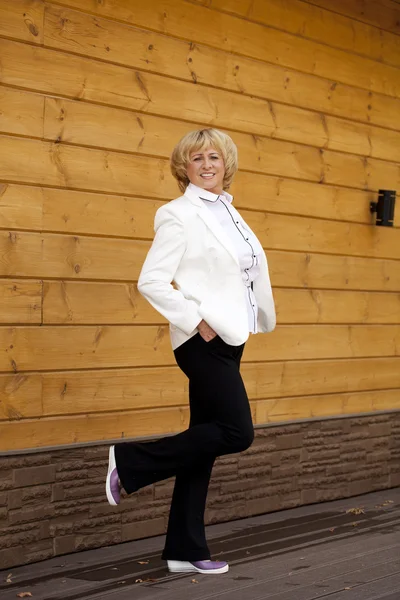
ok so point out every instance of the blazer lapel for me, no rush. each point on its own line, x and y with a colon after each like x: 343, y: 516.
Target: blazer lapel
x: 213, y: 224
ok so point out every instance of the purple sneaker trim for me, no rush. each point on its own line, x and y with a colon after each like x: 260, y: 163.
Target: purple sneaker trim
x: 113, y: 487
x: 209, y: 565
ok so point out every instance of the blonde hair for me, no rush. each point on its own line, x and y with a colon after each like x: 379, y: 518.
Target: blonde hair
x: 199, y: 140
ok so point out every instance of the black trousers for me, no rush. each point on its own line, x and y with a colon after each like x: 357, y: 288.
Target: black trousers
x: 220, y: 423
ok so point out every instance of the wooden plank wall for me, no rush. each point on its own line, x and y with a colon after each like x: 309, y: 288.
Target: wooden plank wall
x: 93, y: 95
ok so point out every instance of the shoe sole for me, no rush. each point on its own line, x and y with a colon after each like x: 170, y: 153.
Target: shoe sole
x: 177, y: 567
x: 111, y: 467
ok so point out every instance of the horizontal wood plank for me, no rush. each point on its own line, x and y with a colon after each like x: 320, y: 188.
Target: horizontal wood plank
x: 35, y: 208
x: 58, y: 255
x: 75, y: 392
x: 50, y: 348
x: 20, y: 301
x: 288, y: 232
x: 66, y: 211
x: 147, y: 50
x: 62, y: 165
x: 309, y: 21
x: 20, y: 396
x: 86, y: 428
x: 99, y: 126
x: 290, y: 196
x: 323, y: 271
x: 72, y: 257
x: 272, y: 411
x: 71, y: 303
x: 307, y: 377
x: 21, y: 113
x: 52, y: 255
x: 323, y: 306
x: 32, y: 433
x: 383, y: 14
x: 196, y: 23
x: 22, y: 19
x: 89, y: 169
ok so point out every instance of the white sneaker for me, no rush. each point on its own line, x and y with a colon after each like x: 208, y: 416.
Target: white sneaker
x: 206, y: 567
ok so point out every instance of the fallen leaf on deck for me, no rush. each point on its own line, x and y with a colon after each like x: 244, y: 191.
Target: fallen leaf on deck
x: 24, y: 595
x: 332, y: 529
x: 348, y: 588
x: 138, y: 580
x: 194, y: 581
x: 355, y: 524
x: 9, y: 578
x: 143, y: 562
x: 355, y: 511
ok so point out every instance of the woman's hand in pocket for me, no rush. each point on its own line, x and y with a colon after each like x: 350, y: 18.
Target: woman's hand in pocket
x: 206, y: 332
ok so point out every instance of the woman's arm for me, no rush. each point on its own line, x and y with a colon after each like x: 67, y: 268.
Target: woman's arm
x: 159, y: 270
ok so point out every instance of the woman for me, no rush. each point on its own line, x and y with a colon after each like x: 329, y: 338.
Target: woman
x: 221, y: 293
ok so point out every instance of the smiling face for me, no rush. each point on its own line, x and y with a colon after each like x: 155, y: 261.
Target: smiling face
x: 206, y: 169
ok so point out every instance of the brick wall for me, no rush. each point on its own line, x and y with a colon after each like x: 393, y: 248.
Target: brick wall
x: 52, y: 503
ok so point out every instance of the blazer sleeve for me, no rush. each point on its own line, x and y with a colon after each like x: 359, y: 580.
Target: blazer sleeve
x: 159, y: 270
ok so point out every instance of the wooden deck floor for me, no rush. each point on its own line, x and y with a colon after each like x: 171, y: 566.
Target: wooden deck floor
x: 342, y: 550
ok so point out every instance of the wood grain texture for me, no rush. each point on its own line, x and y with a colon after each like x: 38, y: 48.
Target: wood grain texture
x: 62, y: 165
x: 85, y: 347
x: 383, y: 14
x: 108, y: 40
x: 22, y: 113
x: 39, y: 433
x: 56, y: 255
x: 24, y: 254
x: 147, y: 50
x: 272, y: 411
x: 88, y: 169
x: 68, y: 302
x: 35, y: 208
x: 99, y: 126
x: 52, y: 431
x: 53, y: 72
x: 20, y: 301
x: 64, y: 256
x: 94, y: 96
x: 323, y: 271
x: 33, y: 395
x: 315, y: 23
x: 22, y: 19
x: 77, y: 77
x: 288, y: 232
x: 21, y: 207
x: 67, y: 211
x: 196, y: 23
x: 167, y: 386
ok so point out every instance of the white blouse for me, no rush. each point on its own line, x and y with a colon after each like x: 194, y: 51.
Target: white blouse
x: 246, y: 243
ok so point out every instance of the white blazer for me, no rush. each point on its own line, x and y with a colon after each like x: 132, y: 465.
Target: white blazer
x: 192, y: 250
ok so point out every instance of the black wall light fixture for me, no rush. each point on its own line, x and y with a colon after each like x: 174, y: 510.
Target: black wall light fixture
x: 384, y: 208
